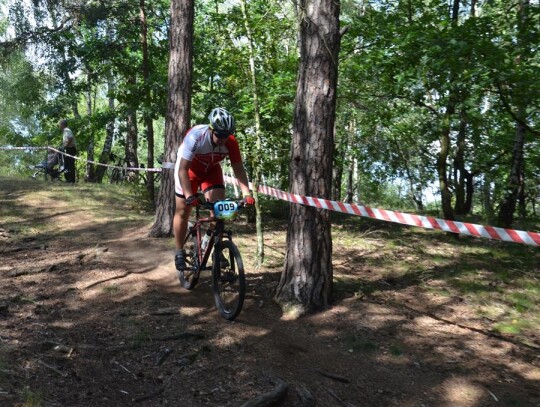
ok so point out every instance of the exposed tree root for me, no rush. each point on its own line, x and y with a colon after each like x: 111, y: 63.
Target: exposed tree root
x: 270, y: 398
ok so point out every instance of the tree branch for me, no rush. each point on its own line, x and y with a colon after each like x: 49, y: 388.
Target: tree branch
x: 10, y: 46
x: 514, y: 116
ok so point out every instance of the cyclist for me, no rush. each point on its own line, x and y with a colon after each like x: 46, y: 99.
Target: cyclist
x: 198, y: 166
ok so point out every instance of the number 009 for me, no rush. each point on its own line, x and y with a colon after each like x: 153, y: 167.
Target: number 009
x: 226, y: 207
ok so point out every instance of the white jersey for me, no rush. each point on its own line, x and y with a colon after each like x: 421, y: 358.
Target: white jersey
x: 198, y: 148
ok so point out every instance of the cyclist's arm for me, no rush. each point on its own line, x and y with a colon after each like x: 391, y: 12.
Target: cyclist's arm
x: 241, y: 176
x: 183, y: 176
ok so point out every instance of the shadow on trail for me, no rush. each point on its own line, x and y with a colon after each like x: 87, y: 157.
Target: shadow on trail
x: 116, y: 329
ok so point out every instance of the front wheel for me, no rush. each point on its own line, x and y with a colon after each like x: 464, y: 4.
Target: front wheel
x: 190, y: 275
x: 228, y: 280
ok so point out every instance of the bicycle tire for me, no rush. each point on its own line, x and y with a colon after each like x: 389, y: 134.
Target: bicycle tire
x: 228, y: 283
x: 190, y: 275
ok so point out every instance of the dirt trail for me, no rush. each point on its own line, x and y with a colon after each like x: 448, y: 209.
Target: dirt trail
x: 92, y: 315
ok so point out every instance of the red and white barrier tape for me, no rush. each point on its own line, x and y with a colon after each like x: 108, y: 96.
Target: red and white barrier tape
x: 107, y: 165
x: 22, y: 148
x: 79, y: 158
x: 427, y: 222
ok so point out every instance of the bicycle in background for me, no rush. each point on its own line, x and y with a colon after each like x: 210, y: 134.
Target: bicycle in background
x: 228, y: 278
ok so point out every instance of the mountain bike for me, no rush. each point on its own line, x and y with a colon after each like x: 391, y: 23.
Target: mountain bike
x: 228, y: 278
x: 118, y: 172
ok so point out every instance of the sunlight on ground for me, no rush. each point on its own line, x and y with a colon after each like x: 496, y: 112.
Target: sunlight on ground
x: 63, y: 324
x: 236, y: 337
x: 528, y: 372
x: 192, y: 311
x: 460, y: 392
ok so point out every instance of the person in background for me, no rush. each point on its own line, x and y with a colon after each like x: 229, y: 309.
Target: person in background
x: 197, y: 166
x: 70, y: 147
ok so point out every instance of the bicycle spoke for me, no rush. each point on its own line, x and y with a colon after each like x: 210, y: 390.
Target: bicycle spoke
x: 229, y: 281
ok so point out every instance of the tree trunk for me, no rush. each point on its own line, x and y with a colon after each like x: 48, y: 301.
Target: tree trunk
x: 105, y: 155
x: 341, y: 152
x: 522, y: 194
x: 306, y: 281
x: 258, y: 143
x: 178, y: 108
x: 337, y: 176
x: 350, y: 179
x: 459, y: 168
x: 64, y: 73
x: 446, y: 195
x: 90, y: 174
x: 469, y: 191
x: 148, y: 122
x: 414, y: 191
x: 473, y: 8
x: 352, y: 172
x: 487, y: 200
x: 132, y: 135
x: 442, y: 166
x: 515, y: 180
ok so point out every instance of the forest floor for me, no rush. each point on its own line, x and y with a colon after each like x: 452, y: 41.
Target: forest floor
x: 92, y: 314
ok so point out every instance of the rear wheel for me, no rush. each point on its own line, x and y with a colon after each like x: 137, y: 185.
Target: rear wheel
x: 190, y: 275
x: 228, y: 280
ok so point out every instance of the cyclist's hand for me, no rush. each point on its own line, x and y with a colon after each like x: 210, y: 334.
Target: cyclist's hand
x: 194, y: 200
x: 249, y: 200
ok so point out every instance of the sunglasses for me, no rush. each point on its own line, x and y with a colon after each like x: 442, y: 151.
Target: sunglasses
x: 221, y: 135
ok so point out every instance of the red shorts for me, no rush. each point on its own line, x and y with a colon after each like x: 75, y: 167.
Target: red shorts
x: 205, y: 182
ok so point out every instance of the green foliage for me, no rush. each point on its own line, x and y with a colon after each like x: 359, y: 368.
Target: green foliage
x: 222, y: 69
x: 407, y: 71
x: 21, y: 94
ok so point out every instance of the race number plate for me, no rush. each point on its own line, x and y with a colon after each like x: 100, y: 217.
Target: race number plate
x: 225, y: 210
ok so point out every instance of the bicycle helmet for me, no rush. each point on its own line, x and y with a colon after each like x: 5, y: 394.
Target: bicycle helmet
x: 221, y: 121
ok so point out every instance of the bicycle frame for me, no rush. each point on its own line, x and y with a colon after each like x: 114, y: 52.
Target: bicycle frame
x: 217, y: 234
x: 228, y: 276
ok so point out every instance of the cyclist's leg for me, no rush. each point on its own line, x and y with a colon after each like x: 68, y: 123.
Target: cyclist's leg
x: 212, y: 184
x: 181, y: 220
x: 214, y: 190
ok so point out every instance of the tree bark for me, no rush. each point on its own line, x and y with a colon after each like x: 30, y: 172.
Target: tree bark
x: 132, y: 136
x: 178, y: 108
x: 469, y: 191
x: 105, y: 155
x: 442, y: 166
x: 148, y: 122
x: 306, y: 281
x: 342, y: 155
x: 459, y: 168
x: 258, y: 137
x: 446, y: 195
x: 487, y: 200
x: 90, y: 173
x: 350, y: 179
x: 516, y: 180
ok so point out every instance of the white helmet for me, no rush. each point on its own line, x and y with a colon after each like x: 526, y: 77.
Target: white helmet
x: 221, y: 121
